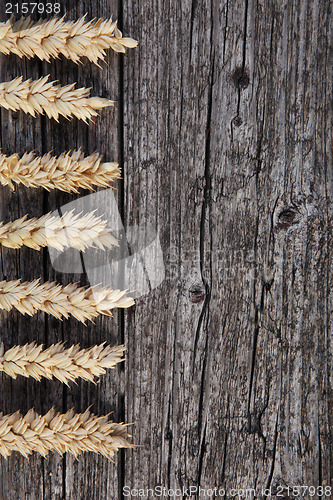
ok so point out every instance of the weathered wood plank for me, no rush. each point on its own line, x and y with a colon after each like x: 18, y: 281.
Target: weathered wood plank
x: 84, y: 477
x: 223, y: 126
x: 19, y: 133
x: 226, y: 154
x: 57, y: 477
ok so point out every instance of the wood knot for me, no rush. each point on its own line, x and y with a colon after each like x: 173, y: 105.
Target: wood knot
x: 197, y: 293
x: 168, y: 434
x: 288, y: 217
x: 241, y: 78
x: 238, y: 121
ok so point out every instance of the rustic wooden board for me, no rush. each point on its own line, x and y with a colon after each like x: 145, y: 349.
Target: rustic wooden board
x: 222, y: 126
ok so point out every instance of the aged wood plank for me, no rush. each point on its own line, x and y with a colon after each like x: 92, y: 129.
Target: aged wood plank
x: 226, y: 155
x: 57, y: 477
x: 223, y: 126
x: 90, y: 476
x: 20, y: 478
x: 170, y: 87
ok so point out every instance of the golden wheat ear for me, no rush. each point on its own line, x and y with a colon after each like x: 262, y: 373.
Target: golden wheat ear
x: 68, y: 432
x: 69, y: 230
x: 66, y: 365
x: 61, y: 301
x: 73, y: 39
x: 68, y: 172
x: 44, y: 97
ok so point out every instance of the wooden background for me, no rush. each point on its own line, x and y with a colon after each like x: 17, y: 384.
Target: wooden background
x: 223, y: 130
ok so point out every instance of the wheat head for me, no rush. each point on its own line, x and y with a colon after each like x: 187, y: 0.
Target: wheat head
x: 39, y: 96
x: 68, y: 432
x: 48, y: 39
x: 61, y: 301
x: 68, y: 172
x: 32, y: 360
x: 70, y: 230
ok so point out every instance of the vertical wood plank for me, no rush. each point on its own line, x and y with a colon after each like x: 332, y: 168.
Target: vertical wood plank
x: 83, y: 477
x: 21, y: 478
x: 228, y: 380
x: 61, y: 477
x: 223, y: 125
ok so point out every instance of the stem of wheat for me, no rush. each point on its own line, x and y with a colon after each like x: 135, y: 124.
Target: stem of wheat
x: 32, y: 360
x: 67, y: 432
x: 48, y: 39
x: 58, y: 232
x: 61, y: 301
x: 68, y: 172
x: 39, y: 96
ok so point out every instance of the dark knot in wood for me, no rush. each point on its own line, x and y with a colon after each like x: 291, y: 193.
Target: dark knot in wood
x: 287, y: 218
x: 197, y: 293
x: 241, y: 78
x: 238, y: 121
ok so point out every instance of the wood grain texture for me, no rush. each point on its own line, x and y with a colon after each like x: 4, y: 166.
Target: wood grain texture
x: 223, y: 130
x: 227, y: 152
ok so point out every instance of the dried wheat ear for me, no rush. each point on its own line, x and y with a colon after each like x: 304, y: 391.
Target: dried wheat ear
x: 39, y: 96
x: 67, y: 365
x: 68, y: 172
x: 61, y: 301
x: 70, y: 230
x: 68, y: 432
x: 48, y: 39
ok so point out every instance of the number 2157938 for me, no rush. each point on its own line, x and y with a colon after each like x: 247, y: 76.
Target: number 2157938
x: 31, y: 7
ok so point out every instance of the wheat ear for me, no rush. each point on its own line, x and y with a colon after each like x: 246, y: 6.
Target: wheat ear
x: 67, y: 172
x: 31, y: 360
x: 70, y: 230
x: 39, y: 96
x: 61, y: 301
x: 48, y: 39
x: 68, y: 432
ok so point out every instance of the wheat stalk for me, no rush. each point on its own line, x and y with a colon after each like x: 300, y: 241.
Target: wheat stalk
x: 58, y: 232
x: 31, y: 360
x: 61, y: 301
x: 39, y: 96
x: 67, y: 172
x: 68, y: 432
x: 73, y: 39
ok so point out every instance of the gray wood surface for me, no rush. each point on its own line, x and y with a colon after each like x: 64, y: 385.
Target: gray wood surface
x: 223, y: 130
